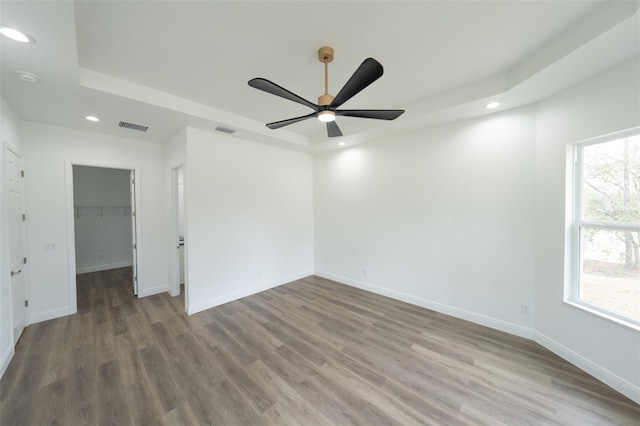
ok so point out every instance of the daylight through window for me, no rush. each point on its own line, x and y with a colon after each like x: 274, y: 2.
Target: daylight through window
x: 606, y: 226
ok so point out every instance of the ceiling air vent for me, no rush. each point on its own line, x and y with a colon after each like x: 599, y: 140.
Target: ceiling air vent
x: 225, y: 130
x: 132, y: 126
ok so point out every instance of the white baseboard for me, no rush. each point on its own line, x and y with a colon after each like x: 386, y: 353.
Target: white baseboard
x: 6, y: 359
x: 607, y: 377
x: 481, y: 319
x: 98, y: 268
x: 33, y: 318
x: 153, y: 290
x: 208, y: 304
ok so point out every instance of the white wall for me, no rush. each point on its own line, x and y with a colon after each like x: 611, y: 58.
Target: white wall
x: 175, y: 150
x: 9, y: 131
x: 49, y: 151
x: 249, y: 216
x: 605, y: 104
x: 102, y: 199
x: 442, y: 218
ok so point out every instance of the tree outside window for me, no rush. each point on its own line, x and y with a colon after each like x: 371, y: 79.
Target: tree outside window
x: 607, y: 222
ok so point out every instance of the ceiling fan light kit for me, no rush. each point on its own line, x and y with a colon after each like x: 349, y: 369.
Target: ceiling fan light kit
x: 326, y: 116
x: 326, y: 109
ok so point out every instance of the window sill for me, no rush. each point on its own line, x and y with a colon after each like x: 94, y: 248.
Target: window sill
x: 619, y: 321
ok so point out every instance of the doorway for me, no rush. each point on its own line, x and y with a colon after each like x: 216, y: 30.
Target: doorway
x: 14, y: 175
x: 178, y: 258
x: 104, y: 222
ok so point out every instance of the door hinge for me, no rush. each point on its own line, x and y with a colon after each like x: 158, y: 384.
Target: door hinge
x: 134, y: 214
x: 26, y: 303
x: 24, y: 260
x: 135, y: 246
x: 21, y: 173
x: 24, y: 217
x: 135, y: 279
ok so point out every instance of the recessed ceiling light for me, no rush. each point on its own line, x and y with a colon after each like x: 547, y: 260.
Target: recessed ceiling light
x: 341, y: 143
x: 92, y: 118
x: 16, y: 35
x: 492, y: 105
x: 27, y: 76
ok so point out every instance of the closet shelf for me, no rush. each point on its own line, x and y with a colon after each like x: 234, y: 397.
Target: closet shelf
x: 102, y: 211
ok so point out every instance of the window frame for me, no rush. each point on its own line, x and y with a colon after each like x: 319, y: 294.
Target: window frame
x: 575, y: 223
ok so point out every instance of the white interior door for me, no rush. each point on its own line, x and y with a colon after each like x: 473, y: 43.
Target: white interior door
x: 134, y: 240
x: 15, y: 209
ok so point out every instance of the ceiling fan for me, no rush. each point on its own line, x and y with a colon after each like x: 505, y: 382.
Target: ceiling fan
x: 327, y: 108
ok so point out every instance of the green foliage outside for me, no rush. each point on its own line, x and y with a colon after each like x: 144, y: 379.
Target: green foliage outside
x: 611, y: 177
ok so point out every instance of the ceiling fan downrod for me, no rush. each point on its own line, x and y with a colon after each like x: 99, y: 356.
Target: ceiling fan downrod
x: 325, y: 55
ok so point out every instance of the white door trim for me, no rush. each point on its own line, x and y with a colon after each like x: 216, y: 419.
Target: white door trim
x: 71, y: 240
x: 174, y: 272
x: 25, y: 282
x: 134, y: 229
x: 174, y: 269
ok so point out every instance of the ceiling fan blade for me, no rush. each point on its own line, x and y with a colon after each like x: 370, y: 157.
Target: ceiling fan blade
x: 368, y: 72
x: 278, y: 124
x: 378, y: 114
x: 333, y: 130
x: 270, y: 87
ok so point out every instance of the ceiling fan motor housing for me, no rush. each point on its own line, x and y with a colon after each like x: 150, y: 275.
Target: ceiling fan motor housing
x: 325, y: 99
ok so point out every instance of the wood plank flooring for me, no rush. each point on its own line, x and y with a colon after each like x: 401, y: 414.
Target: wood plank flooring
x: 312, y: 352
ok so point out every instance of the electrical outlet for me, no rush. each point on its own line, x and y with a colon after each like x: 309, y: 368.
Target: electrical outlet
x: 364, y: 271
x: 524, y: 308
x: 50, y: 245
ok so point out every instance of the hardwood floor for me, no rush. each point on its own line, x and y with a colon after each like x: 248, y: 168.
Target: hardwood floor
x: 311, y: 352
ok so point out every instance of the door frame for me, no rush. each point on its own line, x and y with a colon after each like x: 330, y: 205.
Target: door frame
x: 25, y: 281
x: 71, y: 233
x: 174, y: 268
x: 134, y: 229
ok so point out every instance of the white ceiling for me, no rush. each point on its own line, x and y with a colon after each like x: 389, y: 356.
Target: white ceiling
x: 168, y: 64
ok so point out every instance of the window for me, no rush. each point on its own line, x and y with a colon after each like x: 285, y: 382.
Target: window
x: 604, y: 236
